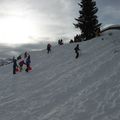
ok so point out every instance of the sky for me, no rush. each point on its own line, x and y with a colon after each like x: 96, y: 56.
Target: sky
x: 32, y: 21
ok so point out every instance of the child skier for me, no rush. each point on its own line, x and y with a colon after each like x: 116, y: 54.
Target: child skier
x: 21, y: 63
x: 28, y: 61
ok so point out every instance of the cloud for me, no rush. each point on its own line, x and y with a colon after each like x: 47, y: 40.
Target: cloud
x: 7, y: 51
x: 109, y: 11
x: 55, y: 18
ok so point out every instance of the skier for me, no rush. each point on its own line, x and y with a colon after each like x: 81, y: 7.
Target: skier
x: 48, y: 48
x: 28, y: 61
x: 14, y: 65
x: 19, y: 57
x: 61, y: 42
x: 21, y: 63
x: 76, y: 51
x: 25, y: 55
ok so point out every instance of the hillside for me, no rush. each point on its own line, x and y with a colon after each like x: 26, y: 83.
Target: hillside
x: 61, y: 87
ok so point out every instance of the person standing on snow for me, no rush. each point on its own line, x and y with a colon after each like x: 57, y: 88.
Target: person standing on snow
x: 48, y: 48
x: 25, y: 54
x: 77, y: 51
x: 21, y: 63
x: 28, y: 61
x: 14, y: 65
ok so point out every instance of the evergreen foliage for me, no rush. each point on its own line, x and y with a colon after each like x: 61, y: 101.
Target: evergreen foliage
x: 87, y: 22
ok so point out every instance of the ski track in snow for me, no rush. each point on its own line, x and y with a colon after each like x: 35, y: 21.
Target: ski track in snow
x: 61, y: 87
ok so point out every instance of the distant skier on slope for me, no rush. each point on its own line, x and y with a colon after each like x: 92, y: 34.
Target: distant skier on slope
x: 48, y: 48
x: 14, y: 65
x: 21, y: 63
x: 77, y: 49
x: 25, y: 54
x: 28, y: 61
x: 19, y: 57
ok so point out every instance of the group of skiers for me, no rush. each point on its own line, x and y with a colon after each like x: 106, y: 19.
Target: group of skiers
x: 20, y: 61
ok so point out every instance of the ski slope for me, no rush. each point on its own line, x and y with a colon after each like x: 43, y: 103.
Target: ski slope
x: 61, y: 87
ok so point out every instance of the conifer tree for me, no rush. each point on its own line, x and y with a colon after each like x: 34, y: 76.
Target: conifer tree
x: 87, y: 22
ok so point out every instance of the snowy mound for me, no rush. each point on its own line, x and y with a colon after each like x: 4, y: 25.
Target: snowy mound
x: 111, y: 27
x: 61, y: 87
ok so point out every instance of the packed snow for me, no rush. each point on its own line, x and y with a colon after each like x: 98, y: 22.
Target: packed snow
x: 60, y: 87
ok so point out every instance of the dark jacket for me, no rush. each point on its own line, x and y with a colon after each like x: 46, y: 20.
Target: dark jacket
x: 14, y: 63
x: 28, y: 61
x: 77, y: 48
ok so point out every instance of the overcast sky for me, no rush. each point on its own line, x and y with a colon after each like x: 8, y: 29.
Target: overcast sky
x: 23, y: 21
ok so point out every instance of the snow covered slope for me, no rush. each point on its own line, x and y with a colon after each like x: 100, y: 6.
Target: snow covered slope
x: 61, y: 87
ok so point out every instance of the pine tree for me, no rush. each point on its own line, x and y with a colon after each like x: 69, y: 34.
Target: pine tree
x: 87, y: 21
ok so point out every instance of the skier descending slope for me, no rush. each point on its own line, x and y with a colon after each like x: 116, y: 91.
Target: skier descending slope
x: 77, y: 51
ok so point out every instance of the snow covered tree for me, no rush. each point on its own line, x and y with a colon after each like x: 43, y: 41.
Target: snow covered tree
x: 87, y: 21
